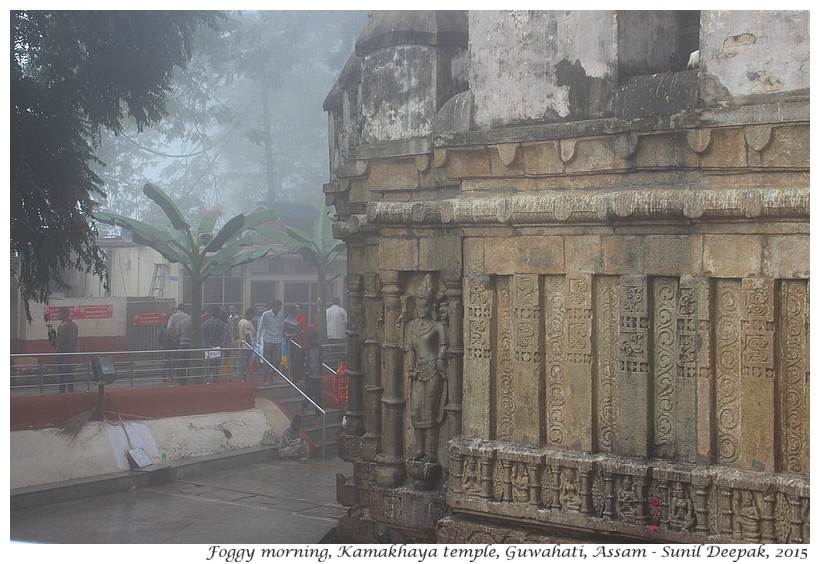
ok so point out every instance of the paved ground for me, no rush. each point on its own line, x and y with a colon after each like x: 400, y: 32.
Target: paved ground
x: 279, y: 502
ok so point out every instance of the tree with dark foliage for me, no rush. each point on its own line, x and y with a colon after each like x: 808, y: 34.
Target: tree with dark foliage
x: 74, y: 74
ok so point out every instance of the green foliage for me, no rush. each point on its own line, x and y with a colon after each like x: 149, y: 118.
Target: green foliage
x: 201, y: 253
x: 75, y: 74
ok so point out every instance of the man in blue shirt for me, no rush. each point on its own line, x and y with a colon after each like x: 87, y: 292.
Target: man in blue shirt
x: 270, y: 333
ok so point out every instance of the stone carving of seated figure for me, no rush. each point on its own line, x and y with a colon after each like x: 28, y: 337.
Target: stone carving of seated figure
x: 570, y: 498
x: 626, y: 498
x: 469, y: 482
x: 681, y: 509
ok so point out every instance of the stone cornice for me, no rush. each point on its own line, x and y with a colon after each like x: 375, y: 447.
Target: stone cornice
x: 596, y: 207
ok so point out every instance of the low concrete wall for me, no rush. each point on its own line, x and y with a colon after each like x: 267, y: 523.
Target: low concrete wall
x: 54, y: 410
x: 45, y: 456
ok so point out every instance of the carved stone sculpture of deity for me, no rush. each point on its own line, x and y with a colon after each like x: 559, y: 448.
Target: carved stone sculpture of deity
x: 520, y: 483
x: 469, y: 482
x: 428, y: 343
x: 570, y: 498
x: 681, y: 509
x: 626, y: 498
x: 748, y: 517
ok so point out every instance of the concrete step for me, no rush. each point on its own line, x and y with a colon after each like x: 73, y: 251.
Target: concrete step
x: 291, y: 400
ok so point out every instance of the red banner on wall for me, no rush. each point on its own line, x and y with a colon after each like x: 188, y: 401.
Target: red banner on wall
x: 150, y: 318
x: 97, y: 311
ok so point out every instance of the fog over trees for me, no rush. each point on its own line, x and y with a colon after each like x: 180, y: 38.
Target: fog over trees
x: 74, y: 76
x: 245, y: 122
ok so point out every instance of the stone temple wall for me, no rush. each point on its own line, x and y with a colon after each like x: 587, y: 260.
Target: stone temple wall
x: 612, y: 299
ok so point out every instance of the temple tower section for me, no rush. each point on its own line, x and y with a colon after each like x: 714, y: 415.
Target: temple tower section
x: 582, y: 275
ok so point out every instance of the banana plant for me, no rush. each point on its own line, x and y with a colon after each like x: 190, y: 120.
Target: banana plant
x: 201, y: 252
x: 316, y: 252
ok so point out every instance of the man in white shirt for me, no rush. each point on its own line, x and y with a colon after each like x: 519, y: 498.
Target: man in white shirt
x: 336, y: 321
x: 270, y: 333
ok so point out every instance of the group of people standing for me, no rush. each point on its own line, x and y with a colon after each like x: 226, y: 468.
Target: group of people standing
x: 278, y: 332
x: 268, y: 335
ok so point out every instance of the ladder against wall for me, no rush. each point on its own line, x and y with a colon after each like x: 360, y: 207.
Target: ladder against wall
x: 158, y: 281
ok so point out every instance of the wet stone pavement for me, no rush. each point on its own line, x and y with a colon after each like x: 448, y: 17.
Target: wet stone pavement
x: 278, y: 502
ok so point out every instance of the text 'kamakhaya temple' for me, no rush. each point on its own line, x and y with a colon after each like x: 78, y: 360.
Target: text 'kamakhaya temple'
x: 577, y: 276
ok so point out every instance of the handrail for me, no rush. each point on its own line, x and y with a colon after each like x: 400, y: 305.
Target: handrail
x: 298, y: 346
x: 48, y: 372
x: 294, y: 386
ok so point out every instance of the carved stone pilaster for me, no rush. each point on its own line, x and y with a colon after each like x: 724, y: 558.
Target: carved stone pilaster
x: 487, y: 465
x: 371, y: 352
x: 727, y: 385
x: 452, y: 281
x: 390, y: 470
x: 794, y: 377
x: 578, y: 380
x: 476, y: 396
x: 757, y: 393
x: 456, y: 465
x: 633, y: 366
x: 585, y: 477
x: 355, y: 414
x: 701, y: 485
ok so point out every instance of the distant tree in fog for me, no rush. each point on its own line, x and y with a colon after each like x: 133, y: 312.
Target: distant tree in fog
x: 74, y: 76
x: 246, y: 122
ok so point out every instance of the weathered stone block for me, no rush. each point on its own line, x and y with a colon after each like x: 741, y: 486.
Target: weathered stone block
x: 467, y: 163
x: 393, y: 174
x: 596, y: 155
x: 542, y: 158
x: 524, y: 254
x: 788, y: 147
x: 398, y: 254
x: 786, y: 256
x: 670, y: 255
x: 727, y: 149
x: 583, y: 253
x: 474, y: 255
x: 662, y: 151
x: 438, y: 253
x: 622, y: 254
x: 371, y: 257
x: 732, y: 256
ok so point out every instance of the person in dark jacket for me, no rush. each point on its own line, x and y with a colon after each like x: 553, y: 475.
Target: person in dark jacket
x: 68, y: 337
x: 313, y: 376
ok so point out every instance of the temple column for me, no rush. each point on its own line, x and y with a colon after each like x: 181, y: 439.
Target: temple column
x: 371, y: 353
x: 355, y: 416
x: 390, y: 471
x: 455, y: 352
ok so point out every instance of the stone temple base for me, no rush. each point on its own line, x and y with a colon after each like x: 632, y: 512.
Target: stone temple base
x: 407, y: 509
x: 461, y: 529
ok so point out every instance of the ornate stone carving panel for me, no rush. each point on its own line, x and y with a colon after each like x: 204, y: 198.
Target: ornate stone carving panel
x: 757, y: 374
x: 631, y: 497
x: 527, y: 358
x: 633, y: 366
x: 794, y: 376
x: 606, y: 323
x: 667, y: 390
x: 478, y: 375
x: 727, y: 351
x: 555, y: 359
x: 578, y: 386
x: 502, y: 382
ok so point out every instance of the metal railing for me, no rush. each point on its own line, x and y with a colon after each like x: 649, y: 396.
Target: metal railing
x: 293, y: 385
x: 54, y: 373
x: 45, y: 373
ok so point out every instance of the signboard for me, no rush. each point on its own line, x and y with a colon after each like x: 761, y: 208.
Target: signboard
x: 150, y: 318
x: 96, y: 311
